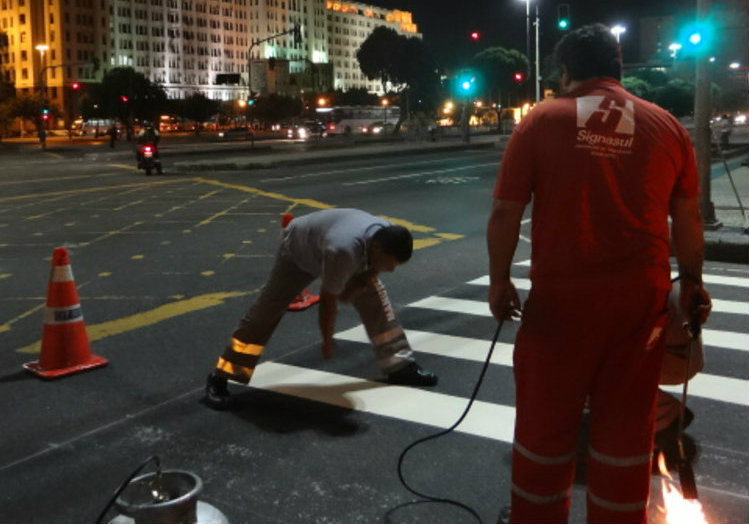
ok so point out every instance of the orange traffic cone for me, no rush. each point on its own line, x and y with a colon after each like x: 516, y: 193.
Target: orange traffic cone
x: 304, y: 299
x: 65, y: 348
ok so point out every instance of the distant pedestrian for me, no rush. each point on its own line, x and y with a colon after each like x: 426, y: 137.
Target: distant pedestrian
x: 112, y: 132
x: 726, y: 128
x: 604, y: 170
x: 42, y: 134
x: 346, y: 249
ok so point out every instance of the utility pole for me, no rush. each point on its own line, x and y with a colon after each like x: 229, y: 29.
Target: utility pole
x: 702, y: 135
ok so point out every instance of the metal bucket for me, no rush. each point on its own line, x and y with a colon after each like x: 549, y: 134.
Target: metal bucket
x: 169, y: 497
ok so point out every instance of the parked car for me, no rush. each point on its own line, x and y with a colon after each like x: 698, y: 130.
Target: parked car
x: 236, y: 133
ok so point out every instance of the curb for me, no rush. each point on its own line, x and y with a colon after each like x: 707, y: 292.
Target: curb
x: 720, y: 248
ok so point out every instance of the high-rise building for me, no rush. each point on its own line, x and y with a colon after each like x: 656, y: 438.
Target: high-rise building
x: 186, y: 46
x: 349, y: 24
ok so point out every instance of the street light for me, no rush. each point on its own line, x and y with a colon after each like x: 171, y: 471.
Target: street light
x: 617, y: 30
x: 385, y: 102
x: 537, y: 79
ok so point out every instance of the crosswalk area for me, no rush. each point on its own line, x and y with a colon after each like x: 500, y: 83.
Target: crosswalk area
x: 723, y: 385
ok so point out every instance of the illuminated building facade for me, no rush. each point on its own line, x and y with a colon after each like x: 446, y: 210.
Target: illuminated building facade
x: 186, y: 46
x: 349, y: 24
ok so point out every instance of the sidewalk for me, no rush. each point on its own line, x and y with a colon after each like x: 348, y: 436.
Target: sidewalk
x: 730, y: 242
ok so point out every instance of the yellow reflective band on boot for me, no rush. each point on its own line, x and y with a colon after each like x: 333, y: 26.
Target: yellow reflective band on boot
x: 617, y: 506
x: 242, y: 373
x: 622, y: 462
x: 244, y: 348
x: 541, y: 499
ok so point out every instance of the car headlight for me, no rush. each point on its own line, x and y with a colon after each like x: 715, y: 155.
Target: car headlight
x: 302, y: 133
x: 221, y: 134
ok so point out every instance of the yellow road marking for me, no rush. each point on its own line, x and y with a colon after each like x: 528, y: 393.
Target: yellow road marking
x: 124, y: 166
x: 89, y: 190
x: 148, y: 318
x: 275, y: 196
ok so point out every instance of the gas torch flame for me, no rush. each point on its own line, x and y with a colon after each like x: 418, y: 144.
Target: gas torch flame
x: 678, y: 510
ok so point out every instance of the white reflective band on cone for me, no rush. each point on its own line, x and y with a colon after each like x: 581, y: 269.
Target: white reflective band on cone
x: 61, y: 274
x: 63, y: 315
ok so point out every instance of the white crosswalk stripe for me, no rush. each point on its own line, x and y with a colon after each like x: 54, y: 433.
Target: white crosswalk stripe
x: 490, y: 420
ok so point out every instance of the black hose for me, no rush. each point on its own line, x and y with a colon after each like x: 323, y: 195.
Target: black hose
x: 444, y: 432
x: 154, y: 458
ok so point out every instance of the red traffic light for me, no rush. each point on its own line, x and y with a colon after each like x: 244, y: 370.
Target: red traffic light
x: 124, y: 98
x: 518, y: 77
x: 75, y: 86
x: 45, y: 117
x: 475, y: 35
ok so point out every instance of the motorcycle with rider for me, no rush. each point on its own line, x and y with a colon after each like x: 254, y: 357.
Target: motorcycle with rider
x: 147, y: 149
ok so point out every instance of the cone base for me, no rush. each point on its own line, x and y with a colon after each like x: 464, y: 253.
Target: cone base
x: 94, y: 362
x: 304, y: 302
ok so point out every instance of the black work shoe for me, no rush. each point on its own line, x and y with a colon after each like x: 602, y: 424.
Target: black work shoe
x: 217, y: 394
x: 412, y: 375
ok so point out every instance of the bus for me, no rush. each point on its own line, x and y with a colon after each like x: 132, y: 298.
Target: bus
x: 347, y: 120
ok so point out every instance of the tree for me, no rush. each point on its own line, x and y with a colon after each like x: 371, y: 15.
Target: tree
x: 677, y: 97
x: 196, y: 107
x: 378, y: 55
x: 497, y: 66
x: 7, y: 96
x: 276, y: 108
x: 403, y: 65
x: 637, y: 86
x: 126, y: 95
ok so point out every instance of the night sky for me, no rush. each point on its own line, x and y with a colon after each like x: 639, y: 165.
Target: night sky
x: 446, y: 24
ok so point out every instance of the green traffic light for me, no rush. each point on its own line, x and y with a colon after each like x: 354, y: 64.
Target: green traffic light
x: 695, y: 38
x: 563, y: 23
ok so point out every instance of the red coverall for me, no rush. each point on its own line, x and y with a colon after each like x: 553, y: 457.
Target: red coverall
x: 602, y: 167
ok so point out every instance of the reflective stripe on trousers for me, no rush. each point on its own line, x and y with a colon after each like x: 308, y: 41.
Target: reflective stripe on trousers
x: 286, y: 281
x: 586, y: 342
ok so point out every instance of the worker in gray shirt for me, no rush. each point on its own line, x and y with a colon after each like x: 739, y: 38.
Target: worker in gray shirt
x: 346, y: 249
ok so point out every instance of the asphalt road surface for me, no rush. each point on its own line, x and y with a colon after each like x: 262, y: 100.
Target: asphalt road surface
x: 164, y: 267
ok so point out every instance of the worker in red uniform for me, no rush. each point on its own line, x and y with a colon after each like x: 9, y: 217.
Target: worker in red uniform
x: 605, y: 170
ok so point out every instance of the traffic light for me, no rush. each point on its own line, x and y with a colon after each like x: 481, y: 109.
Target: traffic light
x: 75, y: 86
x: 518, y: 77
x: 697, y: 37
x: 45, y: 113
x: 475, y: 36
x: 297, y: 34
x: 466, y: 83
x: 563, y: 17
x: 124, y: 99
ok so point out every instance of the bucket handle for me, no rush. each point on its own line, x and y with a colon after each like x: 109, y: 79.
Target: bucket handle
x: 153, y: 458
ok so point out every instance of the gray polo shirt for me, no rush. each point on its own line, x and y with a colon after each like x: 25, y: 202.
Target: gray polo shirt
x: 331, y: 244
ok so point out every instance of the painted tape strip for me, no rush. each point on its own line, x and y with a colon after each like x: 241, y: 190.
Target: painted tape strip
x: 63, y: 315
x: 61, y: 274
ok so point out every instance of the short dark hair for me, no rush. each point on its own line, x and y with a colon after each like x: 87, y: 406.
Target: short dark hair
x: 395, y: 241
x: 589, y: 52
